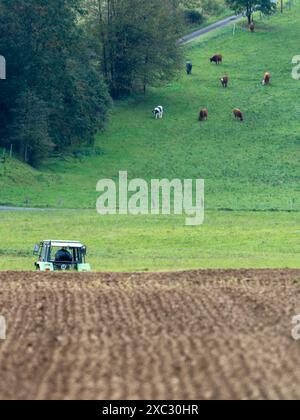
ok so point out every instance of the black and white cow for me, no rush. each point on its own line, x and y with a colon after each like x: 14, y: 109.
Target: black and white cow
x: 158, y: 112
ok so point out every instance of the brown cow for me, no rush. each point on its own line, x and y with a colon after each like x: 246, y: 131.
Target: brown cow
x: 266, y: 79
x: 238, y: 114
x: 203, y: 114
x: 216, y: 59
x: 252, y: 27
x: 224, y: 81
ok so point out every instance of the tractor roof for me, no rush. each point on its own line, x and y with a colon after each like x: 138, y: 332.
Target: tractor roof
x: 64, y: 244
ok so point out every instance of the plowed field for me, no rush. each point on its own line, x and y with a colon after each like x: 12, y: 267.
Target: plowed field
x: 189, y: 335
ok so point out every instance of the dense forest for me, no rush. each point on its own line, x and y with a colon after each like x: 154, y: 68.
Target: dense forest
x: 67, y: 59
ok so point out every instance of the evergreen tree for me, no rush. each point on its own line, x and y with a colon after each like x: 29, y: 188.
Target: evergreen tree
x: 29, y: 130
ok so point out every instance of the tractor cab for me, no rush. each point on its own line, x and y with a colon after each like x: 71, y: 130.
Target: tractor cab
x: 61, y: 256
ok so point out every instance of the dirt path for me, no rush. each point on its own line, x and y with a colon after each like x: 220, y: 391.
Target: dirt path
x: 197, y: 34
x: 190, y: 335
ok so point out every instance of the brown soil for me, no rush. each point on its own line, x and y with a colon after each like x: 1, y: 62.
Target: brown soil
x: 189, y: 335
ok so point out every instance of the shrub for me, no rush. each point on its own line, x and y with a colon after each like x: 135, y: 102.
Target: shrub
x: 193, y: 16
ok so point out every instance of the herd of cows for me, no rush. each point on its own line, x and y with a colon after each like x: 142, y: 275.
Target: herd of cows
x: 218, y: 59
x: 203, y: 114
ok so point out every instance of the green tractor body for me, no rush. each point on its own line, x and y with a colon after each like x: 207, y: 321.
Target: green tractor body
x: 61, y: 256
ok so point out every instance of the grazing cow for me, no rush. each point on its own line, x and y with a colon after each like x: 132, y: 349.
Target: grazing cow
x: 158, y: 112
x: 189, y: 68
x: 224, y: 81
x: 266, y: 79
x: 203, y: 114
x: 216, y: 59
x: 238, y: 114
x: 252, y: 27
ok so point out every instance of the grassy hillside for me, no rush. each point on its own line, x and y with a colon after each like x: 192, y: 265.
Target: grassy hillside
x: 254, y: 165
x: 249, y: 166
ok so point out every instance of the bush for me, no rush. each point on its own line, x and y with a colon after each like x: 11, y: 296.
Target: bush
x: 213, y: 7
x: 193, y: 16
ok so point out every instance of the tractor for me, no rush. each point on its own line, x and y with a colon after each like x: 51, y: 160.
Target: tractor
x: 61, y: 256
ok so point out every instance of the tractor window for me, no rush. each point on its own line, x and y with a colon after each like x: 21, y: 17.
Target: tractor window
x: 62, y: 254
x: 77, y: 255
x: 67, y: 254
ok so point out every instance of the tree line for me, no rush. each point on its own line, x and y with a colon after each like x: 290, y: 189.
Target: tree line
x: 53, y: 96
x: 67, y: 59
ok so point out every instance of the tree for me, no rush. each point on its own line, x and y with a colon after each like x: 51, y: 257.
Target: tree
x: 48, y: 58
x: 135, y: 42
x: 250, y: 6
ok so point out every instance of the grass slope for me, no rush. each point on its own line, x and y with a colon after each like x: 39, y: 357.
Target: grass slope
x: 250, y: 166
x: 254, y: 165
x: 226, y: 240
